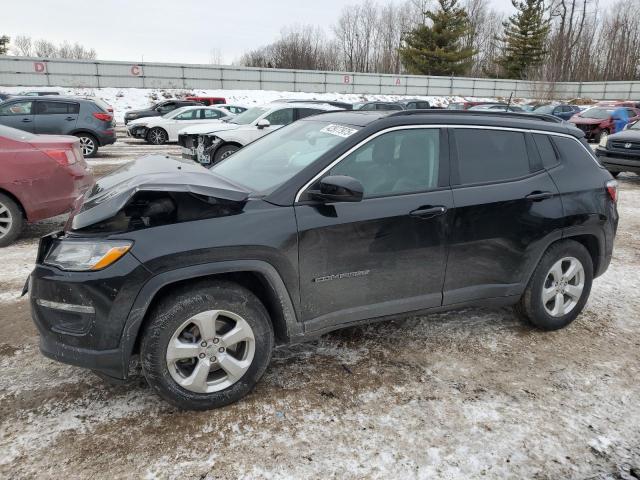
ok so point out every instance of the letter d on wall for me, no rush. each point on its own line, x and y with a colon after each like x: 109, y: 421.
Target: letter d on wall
x: 39, y: 67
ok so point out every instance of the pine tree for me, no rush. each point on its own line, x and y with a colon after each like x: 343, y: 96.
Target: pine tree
x: 438, y: 49
x: 525, y: 36
x: 4, y: 44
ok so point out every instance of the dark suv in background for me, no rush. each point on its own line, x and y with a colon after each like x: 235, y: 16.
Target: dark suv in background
x: 334, y: 220
x: 159, y: 109
x: 87, y: 119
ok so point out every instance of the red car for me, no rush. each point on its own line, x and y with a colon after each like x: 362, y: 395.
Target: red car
x: 41, y: 176
x: 598, y: 121
x: 208, y: 101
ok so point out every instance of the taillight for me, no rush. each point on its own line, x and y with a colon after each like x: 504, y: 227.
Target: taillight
x: 612, y: 190
x: 105, y: 117
x: 62, y: 157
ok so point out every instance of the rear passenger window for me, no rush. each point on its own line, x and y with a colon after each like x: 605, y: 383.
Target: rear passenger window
x: 547, y: 152
x: 569, y: 148
x: 307, y: 112
x: 57, y: 108
x: 490, y: 156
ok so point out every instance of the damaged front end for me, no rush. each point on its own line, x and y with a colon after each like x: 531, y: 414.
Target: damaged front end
x: 154, y: 191
x: 199, y: 147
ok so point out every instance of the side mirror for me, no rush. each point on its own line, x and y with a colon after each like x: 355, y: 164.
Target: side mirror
x: 338, y: 188
x: 263, y: 123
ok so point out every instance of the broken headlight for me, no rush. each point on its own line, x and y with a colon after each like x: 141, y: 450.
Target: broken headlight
x: 86, y: 255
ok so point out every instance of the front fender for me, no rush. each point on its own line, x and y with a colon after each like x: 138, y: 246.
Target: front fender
x: 152, y: 287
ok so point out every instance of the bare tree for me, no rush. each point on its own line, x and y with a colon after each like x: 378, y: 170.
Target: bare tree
x: 45, y: 49
x: 22, y: 46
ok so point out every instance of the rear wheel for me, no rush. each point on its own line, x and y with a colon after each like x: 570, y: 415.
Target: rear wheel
x: 88, y: 144
x: 207, y: 346
x: 224, y: 151
x: 157, y: 136
x: 11, y: 220
x: 604, y: 133
x: 559, y: 287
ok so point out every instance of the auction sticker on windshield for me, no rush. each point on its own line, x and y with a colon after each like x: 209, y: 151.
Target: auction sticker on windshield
x: 339, y: 130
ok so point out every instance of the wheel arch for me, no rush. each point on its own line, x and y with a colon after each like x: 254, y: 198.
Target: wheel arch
x: 259, y: 277
x: 16, y: 199
x: 88, y: 132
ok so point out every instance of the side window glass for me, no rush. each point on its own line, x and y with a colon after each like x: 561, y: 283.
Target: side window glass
x: 56, y: 108
x: 569, y: 148
x: 395, y: 163
x: 281, y: 117
x: 19, y: 108
x: 307, y: 112
x: 368, y: 106
x: 490, y: 155
x: 189, y: 115
x: 547, y: 152
x: 211, y: 114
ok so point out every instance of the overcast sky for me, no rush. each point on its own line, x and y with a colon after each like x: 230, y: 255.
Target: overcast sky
x: 180, y: 31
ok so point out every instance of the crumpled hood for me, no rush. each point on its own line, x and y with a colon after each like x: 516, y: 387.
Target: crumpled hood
x: 151, y: 173
x: 209, y: 128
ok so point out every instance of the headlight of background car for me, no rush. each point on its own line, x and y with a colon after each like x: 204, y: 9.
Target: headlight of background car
x: 83, y: 255
x: 603, y: 140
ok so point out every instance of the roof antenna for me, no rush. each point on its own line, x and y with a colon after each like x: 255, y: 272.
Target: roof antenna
x: 509, y: 102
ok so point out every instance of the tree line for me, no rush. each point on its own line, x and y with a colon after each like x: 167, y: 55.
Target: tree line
x: 26, y: 46
x: 552, y: 40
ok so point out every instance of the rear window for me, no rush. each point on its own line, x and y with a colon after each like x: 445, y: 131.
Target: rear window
x: 490, y: 156
x: 15, y: 134
x: 102, y: 105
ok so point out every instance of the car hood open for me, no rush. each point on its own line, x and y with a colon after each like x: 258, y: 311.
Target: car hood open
x: 157, y: 173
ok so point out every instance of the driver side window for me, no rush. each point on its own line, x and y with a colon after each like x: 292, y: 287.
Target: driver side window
x: 190, y: 115
x: 395, y: 163
x: 281, y: 117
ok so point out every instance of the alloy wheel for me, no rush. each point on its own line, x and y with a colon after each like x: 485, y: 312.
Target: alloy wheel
x: 6, y: 220
x: 210, y: 351
x: 157, y: 136
x: 563, y: 286
x: 87, y: 145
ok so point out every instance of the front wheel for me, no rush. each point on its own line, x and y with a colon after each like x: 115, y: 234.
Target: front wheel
x: 157, y: 136
x: 604, y: 133
x: 88, y: 144
x: 559, y: 288
x: 224, y: 151
x: 207, y: 346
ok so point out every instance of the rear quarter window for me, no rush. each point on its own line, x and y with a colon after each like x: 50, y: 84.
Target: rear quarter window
x: 490, y: 156
x: 570, y: 149
x: 547, y: 151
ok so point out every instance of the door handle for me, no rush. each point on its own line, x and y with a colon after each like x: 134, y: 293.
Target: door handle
x: 70, y: 118
x: 429, y: 212
x: 537, y: 196
x: 26, y: 120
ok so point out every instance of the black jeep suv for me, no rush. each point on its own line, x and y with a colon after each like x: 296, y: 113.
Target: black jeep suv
x: 334, y: 220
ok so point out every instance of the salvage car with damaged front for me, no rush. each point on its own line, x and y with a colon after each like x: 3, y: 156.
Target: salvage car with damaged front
x: 332, y: 221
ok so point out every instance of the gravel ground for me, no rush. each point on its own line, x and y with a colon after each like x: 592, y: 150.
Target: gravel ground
x: 466, y: 394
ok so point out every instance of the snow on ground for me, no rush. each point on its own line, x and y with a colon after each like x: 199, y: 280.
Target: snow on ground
x: 123, y: 99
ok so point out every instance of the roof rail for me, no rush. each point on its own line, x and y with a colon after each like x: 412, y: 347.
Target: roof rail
x: 521, y: 115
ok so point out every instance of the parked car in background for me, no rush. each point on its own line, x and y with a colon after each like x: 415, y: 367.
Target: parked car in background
x: 414, y: 104
x: 38, y: 93
x: 333, y: 221
x: 160, y: 130
x: 499, y: 107
x: 208, y: 101
x: 598, y: 122
x: 620, y: 152
x: 86, y: 119
x: 463, y: 105
x: 333, y: 103
x: 234, y: 109
x: 618, y: 103
x: 563, y: 110
x: 209, y: 144
x: 41, y: 177
x: 158, y: 109
x: 370, y: 106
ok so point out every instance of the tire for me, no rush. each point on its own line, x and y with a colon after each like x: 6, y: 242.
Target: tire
x: 88, y: 144
x: 603, y: 132
x: 539, y: 313
x: 176, y: 320
x: 224, y: 151
x: 11, y: 220
x: 157, y: 136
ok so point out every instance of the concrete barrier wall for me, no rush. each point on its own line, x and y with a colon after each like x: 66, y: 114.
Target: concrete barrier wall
x: 35, y: 72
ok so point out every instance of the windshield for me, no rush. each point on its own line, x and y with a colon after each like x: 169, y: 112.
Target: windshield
x: 545, y: 109
x: 267, y: 163
x: 597, y: 113
x: 250, y: 116
x: 175, y: 112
